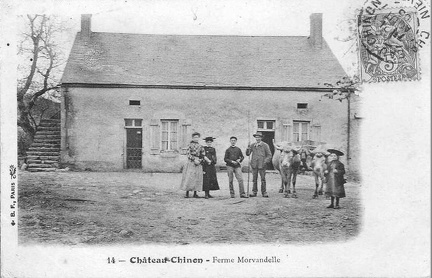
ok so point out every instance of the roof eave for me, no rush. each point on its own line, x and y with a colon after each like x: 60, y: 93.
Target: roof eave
x: 197, y: 87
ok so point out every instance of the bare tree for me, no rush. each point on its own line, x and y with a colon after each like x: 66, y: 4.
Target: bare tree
x: 40, y: 67
x: 343, y: 88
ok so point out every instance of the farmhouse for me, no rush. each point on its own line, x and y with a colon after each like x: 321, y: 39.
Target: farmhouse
x: 133, y: 100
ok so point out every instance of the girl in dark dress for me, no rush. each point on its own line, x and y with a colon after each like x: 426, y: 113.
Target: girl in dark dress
x: 335, y: 178
x: 210, y: 180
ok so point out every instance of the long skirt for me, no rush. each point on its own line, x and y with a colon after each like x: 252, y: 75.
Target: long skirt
x: 192, y: 177
x: 210, y: 178
x: 335, y: 186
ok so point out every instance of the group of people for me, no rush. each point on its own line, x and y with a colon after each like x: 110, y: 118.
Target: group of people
x: 199, y: 173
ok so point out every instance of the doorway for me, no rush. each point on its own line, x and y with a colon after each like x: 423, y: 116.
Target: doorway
x: 267, y: 127
x: 134, y: 148
x: 268, y: 137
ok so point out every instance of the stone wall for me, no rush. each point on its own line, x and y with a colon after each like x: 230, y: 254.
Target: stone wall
x: 94, y: 135
x: 355, y: 134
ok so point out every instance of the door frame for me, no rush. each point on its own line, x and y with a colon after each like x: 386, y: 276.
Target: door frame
x: 274, y: 131
x: 124, y: 154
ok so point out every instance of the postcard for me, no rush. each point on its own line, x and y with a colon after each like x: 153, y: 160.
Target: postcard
x: 215, y: 138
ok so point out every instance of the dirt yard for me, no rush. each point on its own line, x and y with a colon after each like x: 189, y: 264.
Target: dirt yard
x: 131, y: 207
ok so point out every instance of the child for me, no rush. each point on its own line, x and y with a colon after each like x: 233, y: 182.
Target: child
x: 335, y: 178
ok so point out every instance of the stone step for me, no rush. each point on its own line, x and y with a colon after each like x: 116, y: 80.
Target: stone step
x: 48, y: 124
x: 40, y: 161
x: 44, y: 136
x: 50, y: 121
x: 41, y: 149
x: 47, y: 140
x: 44, y: 148
x: 43, y: 132
x: 57, y: 126
x: 34, y: 165
x: 46, y: 145
x: 44, y: 157
x: 41, y: 169
x: 48, y: 128
x: 37, y: 153
x: 40, y: 136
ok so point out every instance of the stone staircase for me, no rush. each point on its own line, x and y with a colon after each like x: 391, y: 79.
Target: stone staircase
x: 44, y: 152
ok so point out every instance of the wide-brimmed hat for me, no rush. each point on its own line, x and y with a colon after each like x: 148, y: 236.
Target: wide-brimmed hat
x: 209, y: 138
x: 258, y: 134
x: 336, y: 152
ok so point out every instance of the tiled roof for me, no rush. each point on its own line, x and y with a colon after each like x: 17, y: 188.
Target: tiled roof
x: 186, y: 60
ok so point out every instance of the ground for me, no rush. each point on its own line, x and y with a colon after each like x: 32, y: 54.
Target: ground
x: 131, y: 207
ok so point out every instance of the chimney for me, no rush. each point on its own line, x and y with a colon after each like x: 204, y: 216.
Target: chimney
x: 85, y: 26
x: 316, y: 37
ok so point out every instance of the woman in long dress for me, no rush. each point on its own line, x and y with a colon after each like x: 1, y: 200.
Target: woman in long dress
x: 209, y: 169
x: 192, y: 176
x: 335, y: 178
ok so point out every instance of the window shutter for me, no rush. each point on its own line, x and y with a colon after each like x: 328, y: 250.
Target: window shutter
x: 154, y: 136
x: 316, y: 133
x: 287, y: 132
x: 185, y: 136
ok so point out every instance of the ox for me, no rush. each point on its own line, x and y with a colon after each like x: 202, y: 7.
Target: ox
x: 287, y: 162
x: 319, y: 166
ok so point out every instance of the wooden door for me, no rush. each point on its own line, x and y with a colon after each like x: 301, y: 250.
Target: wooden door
x: 134, y: 148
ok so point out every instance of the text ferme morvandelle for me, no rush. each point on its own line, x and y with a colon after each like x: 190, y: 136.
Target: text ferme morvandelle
x: 184, y: 260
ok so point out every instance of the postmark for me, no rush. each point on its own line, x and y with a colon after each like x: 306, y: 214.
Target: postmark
x: 388, y: 49
x: 391, y: 35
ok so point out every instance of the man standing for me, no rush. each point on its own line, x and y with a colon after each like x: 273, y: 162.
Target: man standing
x: 261, y: 155
x: 233, y: 158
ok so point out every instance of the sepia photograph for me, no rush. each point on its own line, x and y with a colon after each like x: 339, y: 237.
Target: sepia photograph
x: 143, y: 135
x: 203, y: 139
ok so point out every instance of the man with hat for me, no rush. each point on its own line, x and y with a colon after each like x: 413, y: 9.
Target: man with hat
x: 261, y: 155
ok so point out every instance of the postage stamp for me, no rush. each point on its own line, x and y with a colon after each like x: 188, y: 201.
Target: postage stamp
x: 388, y: 49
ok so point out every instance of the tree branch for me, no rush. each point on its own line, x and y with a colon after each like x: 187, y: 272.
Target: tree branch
x: 38, y: 94
x: 35, y: 38
x: 39, y: 46
x: 33, y: 120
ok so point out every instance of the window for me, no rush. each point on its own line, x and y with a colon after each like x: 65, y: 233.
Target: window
x: 134, y: 102
x: 133, y: 122
x: 301, y: 131
x: 169, y: 135
x: 302, y: 105
x: 267, y: 125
